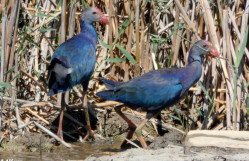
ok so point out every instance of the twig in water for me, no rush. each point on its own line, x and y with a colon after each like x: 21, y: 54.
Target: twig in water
x: 132, y: 143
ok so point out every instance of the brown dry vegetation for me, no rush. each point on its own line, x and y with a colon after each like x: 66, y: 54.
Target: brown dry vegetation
x: 155, y: 33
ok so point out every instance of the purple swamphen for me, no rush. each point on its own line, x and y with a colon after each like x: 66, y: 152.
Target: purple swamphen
x: 74, y: 60
x: 157, y: 89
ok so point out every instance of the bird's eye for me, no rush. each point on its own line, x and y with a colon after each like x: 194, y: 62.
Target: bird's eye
x: 94, y: 13
x: 205, y: 46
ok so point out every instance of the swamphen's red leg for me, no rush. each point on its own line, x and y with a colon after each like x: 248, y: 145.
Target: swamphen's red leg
x: 138, y: 131
x: 60, y: 132
x: 63, y: 105
x: 90, y: 133
x: 132, y: 126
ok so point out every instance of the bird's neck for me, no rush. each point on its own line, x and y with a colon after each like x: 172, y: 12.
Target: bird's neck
x: 88, y: 30
x: 192, y: 72
x: 194, y: 64
x: 193, y: 57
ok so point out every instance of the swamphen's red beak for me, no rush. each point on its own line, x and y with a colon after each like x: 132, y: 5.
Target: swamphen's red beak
x: 213, y: 53
x: 103, y: 19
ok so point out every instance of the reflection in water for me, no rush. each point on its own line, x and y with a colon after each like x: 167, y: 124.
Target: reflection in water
x: 80, y: 152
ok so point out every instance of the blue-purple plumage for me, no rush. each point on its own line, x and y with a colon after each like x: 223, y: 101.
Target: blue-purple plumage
x: 158, y: 89
x: 79, y: 53
x: 74, y: 59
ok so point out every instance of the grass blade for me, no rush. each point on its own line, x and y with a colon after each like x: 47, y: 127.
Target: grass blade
x: 125, y: 52
x: 242, y: 50
x: 3, y: 84
x: 205, y: 91
x: 115, y: 60
x: 104, y: 44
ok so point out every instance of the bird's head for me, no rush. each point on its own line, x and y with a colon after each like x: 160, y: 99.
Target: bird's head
x: 93, y: 14
x: 204, y: 47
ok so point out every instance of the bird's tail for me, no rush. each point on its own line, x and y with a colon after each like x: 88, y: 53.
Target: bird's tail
x: 108, y: 83
x: 108, y: 95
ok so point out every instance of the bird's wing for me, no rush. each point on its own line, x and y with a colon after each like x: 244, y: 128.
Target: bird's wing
x: 58, y: 75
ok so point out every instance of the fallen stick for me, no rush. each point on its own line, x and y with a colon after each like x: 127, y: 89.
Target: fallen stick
x: 132, y: 143
x: 39, y: 117
x: 214, y: 138
x: 17, y: 100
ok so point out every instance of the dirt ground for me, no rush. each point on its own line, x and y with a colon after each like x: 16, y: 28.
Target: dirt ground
x: 176, y: 152
x: 28, y: 142
x: 169, y: 147
x: 109, y: 125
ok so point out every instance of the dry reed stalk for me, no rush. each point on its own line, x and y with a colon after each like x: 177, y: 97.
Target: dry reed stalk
x: 186, y: 18
x: 127, y: 9
x: 184, y: 53
x: 210, y: 23
x: 137, y: 38
x: 142, y: 39
x: 147, y: 57
x: 8, y: 38
x: 13, y: 90
x: 102, y: 54
x: 36, y: 115
x: 175, y: 38
x: 201, y: 26
x: 13, y: 29
x: 226, y: 53
x: 232, y: 18
x: 110, y: 33
x: 130, y: 12
x: 2, y: 69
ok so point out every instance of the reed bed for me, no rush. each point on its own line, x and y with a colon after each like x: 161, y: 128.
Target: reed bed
x: 143, y: 35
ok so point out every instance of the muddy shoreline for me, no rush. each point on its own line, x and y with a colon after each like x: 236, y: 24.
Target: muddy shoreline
x: 170, y: 146
x: 176, y: 152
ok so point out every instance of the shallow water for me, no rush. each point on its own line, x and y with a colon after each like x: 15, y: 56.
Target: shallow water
x: 81, y: 152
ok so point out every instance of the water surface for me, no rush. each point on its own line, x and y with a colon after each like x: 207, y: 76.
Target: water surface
x: 79, y: 152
